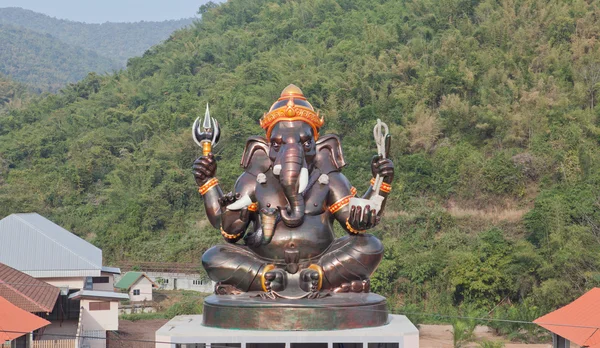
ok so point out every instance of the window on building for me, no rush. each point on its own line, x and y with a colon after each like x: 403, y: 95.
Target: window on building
x: 197, y: 282
x: 88, y: 283
x: 136, y: 291
x: 166, y: 281
x: 100, y: 280
x: 99, y: 306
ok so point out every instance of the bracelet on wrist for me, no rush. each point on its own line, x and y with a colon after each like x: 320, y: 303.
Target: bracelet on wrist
x: 352, y: 230
x: 229, y: 236
x: 385, y: 187
x: 208, y: 185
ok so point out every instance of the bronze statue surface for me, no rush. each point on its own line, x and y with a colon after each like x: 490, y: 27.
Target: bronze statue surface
x: 278, y: 221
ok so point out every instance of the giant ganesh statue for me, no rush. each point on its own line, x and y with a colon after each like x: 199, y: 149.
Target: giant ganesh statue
x: 278, y: 222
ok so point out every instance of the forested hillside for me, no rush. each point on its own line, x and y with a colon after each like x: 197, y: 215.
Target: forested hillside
x: 116, y: 41
x: 44, y: 62
x: 492, y: 106
x: 12, y: 94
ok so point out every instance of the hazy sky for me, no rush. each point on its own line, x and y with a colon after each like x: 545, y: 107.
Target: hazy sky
x: 99, y: 11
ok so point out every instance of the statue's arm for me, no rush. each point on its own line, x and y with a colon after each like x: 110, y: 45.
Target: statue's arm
x: 235, y: 222
x: 340, y: 192
x: 212, y: 205
x: 385, y: 168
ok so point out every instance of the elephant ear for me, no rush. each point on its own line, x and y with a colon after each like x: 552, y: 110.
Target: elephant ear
x: 255, y: 159
x: 329, y: 154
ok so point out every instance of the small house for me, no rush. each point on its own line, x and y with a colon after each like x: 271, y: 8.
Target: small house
x: 138, y: 285
x: 576, y: 322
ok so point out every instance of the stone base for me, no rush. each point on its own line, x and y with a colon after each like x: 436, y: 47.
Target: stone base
x: 187, y: 331
x: 335, y: 312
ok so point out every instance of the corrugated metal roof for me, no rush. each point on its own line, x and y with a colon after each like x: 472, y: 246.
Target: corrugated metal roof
x: 115, y: 270
x: 37, y: 246
x: 128, y: 279
x: 131, y: 278
x: 26, y: 292
x: 98, y: 294
x: 578, y: 321
x: 15, y: 322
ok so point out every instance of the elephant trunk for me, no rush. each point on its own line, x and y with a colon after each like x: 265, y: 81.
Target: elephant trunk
x: 293, y: 168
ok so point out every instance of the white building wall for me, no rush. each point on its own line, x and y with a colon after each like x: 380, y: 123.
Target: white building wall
x: 99, y: 320
x: 110, y: 286
x: 145, y: 288
x: 71, y: 282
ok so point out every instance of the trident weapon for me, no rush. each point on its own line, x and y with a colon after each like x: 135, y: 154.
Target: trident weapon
x: 208, y: 135
x: 380, y: 133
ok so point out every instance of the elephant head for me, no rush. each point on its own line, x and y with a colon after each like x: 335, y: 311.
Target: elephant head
x: 292, y: 150
x: 292, y: 154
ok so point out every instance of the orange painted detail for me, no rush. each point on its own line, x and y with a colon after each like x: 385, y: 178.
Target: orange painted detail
x: 295, y: 109
x: 14, y: 321
x: 576, y: 321
x: 335, y: 207
x: 229, y: 236
x: 385, y: 187
x: 352, y: 230
x: 208, y: 185
x: 253, y: 207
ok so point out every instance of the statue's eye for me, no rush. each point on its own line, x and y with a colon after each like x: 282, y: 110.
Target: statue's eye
x: 275, y: 145
x: 307, y: 144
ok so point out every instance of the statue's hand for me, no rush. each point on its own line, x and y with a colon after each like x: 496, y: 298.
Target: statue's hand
x: 228, y: 198
x: 384, y: 167
x: 234, y: 222
x: 363, y: 220
x: 205, y: 168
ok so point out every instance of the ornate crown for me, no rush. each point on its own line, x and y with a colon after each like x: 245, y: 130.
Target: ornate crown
x: 291, y: 106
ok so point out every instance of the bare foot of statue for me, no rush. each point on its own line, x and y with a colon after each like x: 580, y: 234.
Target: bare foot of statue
x: 310, y: 280
x: 275, y: 280
x: 354, y: 286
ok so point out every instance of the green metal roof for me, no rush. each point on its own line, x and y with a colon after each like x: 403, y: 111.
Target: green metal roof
x: 128, y: 279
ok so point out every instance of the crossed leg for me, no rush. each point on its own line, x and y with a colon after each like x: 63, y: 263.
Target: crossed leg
x: 350, y: 261
x: 347, y: 264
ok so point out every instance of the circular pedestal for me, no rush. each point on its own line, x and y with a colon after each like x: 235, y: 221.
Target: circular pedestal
x: 336, y: 312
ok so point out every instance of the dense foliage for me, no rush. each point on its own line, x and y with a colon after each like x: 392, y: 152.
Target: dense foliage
x: 12, y: 94
x: 491, y: 104
x: 116, y: 41
x: 44, y: 62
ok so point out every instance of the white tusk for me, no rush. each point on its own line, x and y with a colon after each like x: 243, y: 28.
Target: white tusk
x: 277, y: 169
x: 303, y: 180
x: 240, y: 203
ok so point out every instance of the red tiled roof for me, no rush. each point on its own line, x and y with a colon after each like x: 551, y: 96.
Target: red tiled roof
x: 25, y: 291
x: 15, y: 322
x: 578, y: 321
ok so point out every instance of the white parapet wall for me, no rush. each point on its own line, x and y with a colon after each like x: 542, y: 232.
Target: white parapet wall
x: 187, y: 331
